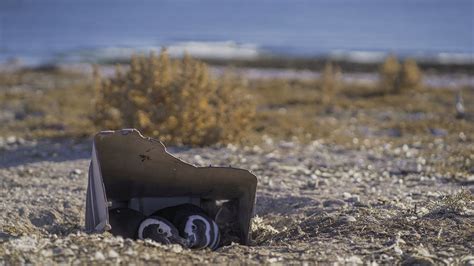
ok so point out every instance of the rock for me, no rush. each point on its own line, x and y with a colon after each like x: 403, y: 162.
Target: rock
x: 10, y: 140
x: 438, y: 132
x: 99, y: 256
x: 354, y: 260
x: 46, y: 253
x: 417, y: 260
x: 176, y: 248
x: 22, y: 212
x: 347, y: 219
x: 353, y: 199
x: 333, y: 203
x: 361, y: 204
x: 112, y: 254
x: 274, y: 259
x: 468, y: 260
x: 346, y: 195
x: 287, y: 145
x: 322, y: 183
x: 309, y: 185
x: 68, y: 252
x: 129, y: 252
x: 76, y: 172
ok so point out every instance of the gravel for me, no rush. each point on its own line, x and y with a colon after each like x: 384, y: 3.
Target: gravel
x: 316, y: 203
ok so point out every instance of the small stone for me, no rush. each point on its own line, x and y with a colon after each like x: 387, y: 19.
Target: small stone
x: 468, y: 260
x: 333, y: 203
x: 11, y: 140
x: 274, y: 259
x: 322, y: 183
x: 77, y: 171
x: 129, y: 252
x: 99, y: 255
x: 354, y: 260
x: 22, y: 211
x: 361, y: 204
x: 46, y: 253
x: 353, y: 199
x: 311, y: 184
x: 112, y: 254
x: 286, y: 144
x: 347, y: 219
x: 176, y: 248
x: 128, y: 242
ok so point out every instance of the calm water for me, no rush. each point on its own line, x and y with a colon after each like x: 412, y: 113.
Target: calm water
x: 73, y: 30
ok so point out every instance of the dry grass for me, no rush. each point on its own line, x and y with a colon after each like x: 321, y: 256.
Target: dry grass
x: 456, y: 204
x: 58, y: 104
x: 46, y: 104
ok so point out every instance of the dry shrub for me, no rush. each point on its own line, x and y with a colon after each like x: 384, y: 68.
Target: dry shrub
x: 395, y: 78
x: 410, y: 75
x: 329, y: 83
x: 389, y: 74
x: 175, y: 100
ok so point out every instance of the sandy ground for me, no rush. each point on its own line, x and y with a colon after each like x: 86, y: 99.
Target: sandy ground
x: 316, y: 203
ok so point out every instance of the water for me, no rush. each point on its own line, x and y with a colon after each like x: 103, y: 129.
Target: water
x: 363, y: 30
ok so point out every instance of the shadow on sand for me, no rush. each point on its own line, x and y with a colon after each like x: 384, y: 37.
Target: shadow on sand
x: 44, y: 150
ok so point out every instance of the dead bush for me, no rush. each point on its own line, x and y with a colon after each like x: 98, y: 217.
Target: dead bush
x: 395, y: 78
x: 329, y: 83
x: 389, y: 75
x: 176, y: 101
x: 410, y: 76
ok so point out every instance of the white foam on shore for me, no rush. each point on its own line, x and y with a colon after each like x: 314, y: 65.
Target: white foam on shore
x: 377, y: 57
x: 208, y: 50
x: 455, y: 58
x: 358, y: 56
x: 215, y: 50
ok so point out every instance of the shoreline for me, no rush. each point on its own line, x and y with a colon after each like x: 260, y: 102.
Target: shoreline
x: 430, y: 79
x: 346, y: 62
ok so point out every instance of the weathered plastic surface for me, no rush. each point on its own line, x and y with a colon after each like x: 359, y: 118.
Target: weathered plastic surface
x: 127, y: 167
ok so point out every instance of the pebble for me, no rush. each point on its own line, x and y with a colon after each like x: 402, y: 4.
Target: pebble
x: 11, y: 140
x: 346, y: 195
x: 176, y: 248
x: 354, y: 260
x: 46, y: 253
x: 77, y: 171
x: 130, y: 252
x: 99, y: 255
x: 468, y: 260
x: 347, y: 219
x: 112, y: 254
x: 322, y: 183
x: 353, y: 199
x: 333, y: 203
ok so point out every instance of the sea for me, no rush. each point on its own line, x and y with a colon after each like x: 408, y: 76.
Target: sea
x: 61, y: 31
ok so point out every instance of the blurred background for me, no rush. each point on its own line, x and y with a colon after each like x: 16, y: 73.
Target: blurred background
x: 57, y: 31
x: 308, y: 69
